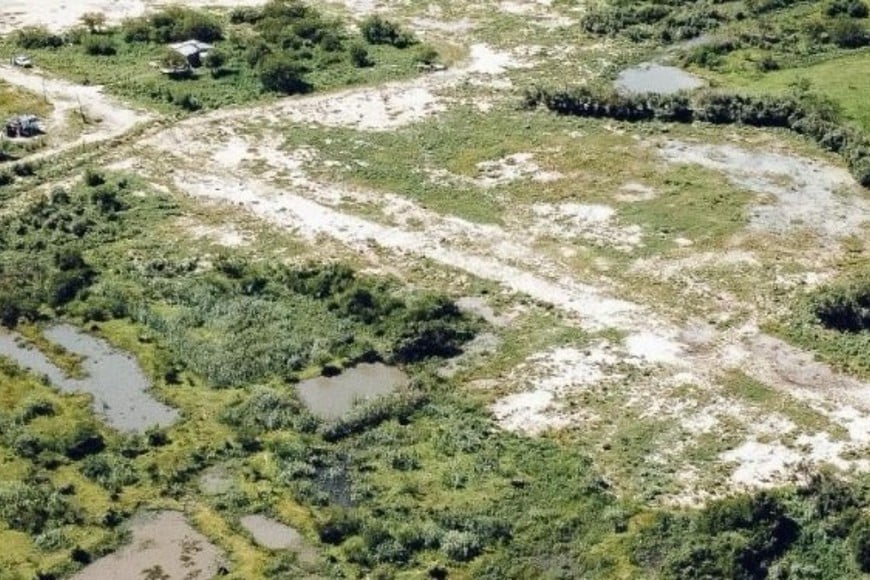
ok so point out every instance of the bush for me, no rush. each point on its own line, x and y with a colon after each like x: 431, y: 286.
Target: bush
x: 851, y: 8
x: 34, y: 508
x: 846, y: 308
x: 32, y: 37
x: 282, y: 74
x: 99, y: 45
x: 849, y: 34
x: 460, y: 546
x: 376, y: 30
x: 860, y: 539
x: 359, y: 56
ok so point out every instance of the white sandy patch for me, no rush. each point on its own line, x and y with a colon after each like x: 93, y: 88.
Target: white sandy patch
x: 540, y: 12
x: 59, y: 15
x: 761, y: 464
x: 654, y: 348
x: 594, y: 223
x: 806, y: 193
x: 548, y: 378
x: 513, y: 168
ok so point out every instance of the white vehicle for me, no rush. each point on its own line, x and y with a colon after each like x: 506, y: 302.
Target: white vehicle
x: 22, y: 61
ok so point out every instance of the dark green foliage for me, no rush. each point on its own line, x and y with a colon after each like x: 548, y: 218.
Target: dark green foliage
x: 860, y: 539
x: 109, y: 470
x: 851, y: 8
x: 32, y: 37
x: 844, y: 308
x: 34, y: 507
x: 377, y: 30
x: 399, y: 406
x: 668, y: 21
x: 849, y: 34
x: 283, y: 74
x: 359, y: 56
x: 177, y: 24
x: 98, y: 45
x: 269, y: 410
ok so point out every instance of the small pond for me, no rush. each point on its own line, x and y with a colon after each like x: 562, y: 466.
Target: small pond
x: 650, y: 77
x: 332, y: 397
x: 163, y: 545
x: 114, y: 379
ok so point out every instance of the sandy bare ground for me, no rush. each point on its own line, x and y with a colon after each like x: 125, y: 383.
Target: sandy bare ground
x: 104, y: 117
x: 801, y: 192
x: 62, y: 14
x: 232, y: 168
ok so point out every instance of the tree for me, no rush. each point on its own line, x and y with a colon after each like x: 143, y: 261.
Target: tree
x: 282, y: 74
x: 214, y: 60
x: 94, y: 21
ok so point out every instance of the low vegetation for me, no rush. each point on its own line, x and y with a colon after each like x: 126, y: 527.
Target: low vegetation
x: 283, y: 47
x: 801, y: 112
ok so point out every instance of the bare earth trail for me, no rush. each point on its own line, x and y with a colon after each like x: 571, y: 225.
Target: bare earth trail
x: 222, y: 162
x: 105, y: 117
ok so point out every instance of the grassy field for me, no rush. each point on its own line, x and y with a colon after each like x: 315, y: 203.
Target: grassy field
x: 842, y: 79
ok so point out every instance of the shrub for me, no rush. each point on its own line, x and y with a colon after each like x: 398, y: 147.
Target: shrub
x: 34, y: 508
x: 846, y: 308
x: 860, y: 539
x: 32, y: 37
x: 359, y: 56
x: 851, y: 8
x: 849, y: 34
x: 99, y: 45
x: 215, y: 61
x: 93, y: 21
x: 376, y: 30
x: 268, y: 410
x: 460, y: 546
x: 282, y: 74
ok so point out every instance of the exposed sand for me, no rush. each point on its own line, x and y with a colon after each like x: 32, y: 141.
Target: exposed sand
x: 61, y: 14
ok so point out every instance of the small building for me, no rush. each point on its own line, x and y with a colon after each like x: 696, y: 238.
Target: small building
x: 23, y: 126
x: 192, y: 50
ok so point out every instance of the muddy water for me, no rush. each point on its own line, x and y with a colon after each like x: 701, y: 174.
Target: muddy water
x: 163, y: 543
x: 332, y: 397
x: 655, y: 78
x: 114, y: 379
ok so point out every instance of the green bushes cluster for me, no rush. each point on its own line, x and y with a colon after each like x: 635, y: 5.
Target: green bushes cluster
x: 800, y: 113
x: 173, y: 24
x: 377, y: 30
x: 32, y: 37
x: 660, y: 19
x: 34, y: 508
x: 850, y: 8
x: 845, y: 308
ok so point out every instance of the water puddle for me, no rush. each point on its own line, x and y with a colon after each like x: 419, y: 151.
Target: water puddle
x: 332, y: 397
x: 650, y: 77
x: 164, y: 545
x: 114, y: 379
